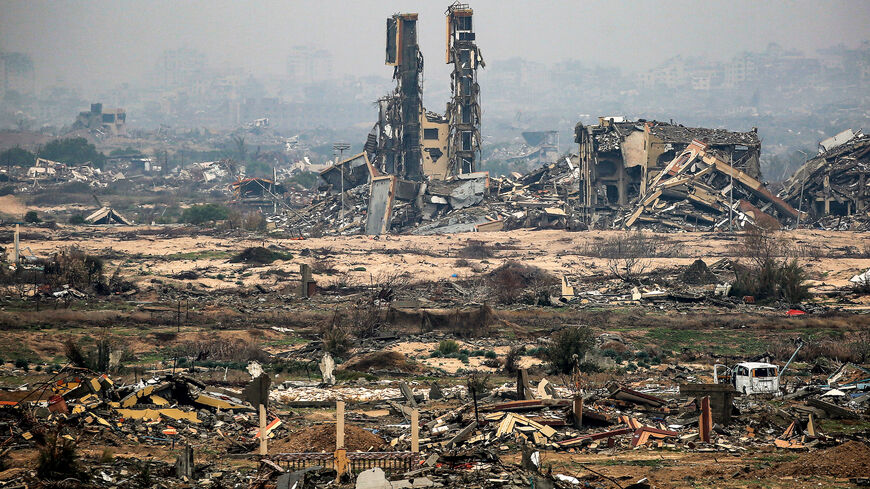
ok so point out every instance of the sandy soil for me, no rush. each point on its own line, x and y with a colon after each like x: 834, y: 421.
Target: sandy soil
x: 10, y: 205
x: 362, y: 259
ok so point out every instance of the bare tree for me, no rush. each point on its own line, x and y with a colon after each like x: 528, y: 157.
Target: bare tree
x: 628, y: 255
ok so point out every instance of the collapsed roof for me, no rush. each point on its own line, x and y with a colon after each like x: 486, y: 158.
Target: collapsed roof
x: 699, y: 190
x: 256, y: 188
x: 107, y: 215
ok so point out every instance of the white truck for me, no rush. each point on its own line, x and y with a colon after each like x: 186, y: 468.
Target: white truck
x: 749, y: 377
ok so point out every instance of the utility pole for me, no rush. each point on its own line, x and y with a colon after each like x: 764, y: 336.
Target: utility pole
x: 340, y: 147
x: 801, y: 199
x: 731, y: 193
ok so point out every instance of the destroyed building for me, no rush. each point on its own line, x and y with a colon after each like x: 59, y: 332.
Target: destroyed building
x: 539, y: 148
x: 112, y: 122
x: 415, y: 144
x: 835, y: 182
x: 700, y: 190
x: 618, y: 157
x: 410, y: 147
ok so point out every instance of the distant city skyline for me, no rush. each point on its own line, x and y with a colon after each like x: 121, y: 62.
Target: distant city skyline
x: 97, y: 45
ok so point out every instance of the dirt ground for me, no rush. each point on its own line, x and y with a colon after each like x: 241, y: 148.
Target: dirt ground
x: 12, y: 206
x: 833, y: 257
x: 682, y: 470
x: 228, y: 309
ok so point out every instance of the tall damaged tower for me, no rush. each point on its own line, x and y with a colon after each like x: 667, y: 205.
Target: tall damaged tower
x: 399, y: 119
x: 463, y: 110
x: 410, y: 142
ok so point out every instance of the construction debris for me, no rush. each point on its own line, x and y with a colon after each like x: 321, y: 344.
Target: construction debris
x: 698, y: 190
x: 834, y: 183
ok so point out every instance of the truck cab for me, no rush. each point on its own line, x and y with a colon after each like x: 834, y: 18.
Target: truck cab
x: 749, y: 377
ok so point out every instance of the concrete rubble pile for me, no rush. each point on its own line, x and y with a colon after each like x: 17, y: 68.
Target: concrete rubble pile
x: 465, y: 203
x: 462, y: 438
x: 461, y: 445
x: 155, y: 411
x: 700, y: 191
x: 833, y: 187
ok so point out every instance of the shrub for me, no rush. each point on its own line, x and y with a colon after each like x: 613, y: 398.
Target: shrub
x: 448, y: 347
x: 490, y: 354
x: 772, y: 280
x: 509, y: 281
x: 107, y: 456
x: 57, y: 459
x: 221, y: 349
x: 336, y: 341
x: 73, y: 151
x: 512, y: 359
x: 32, y: 217
x: 260, y: 256
x: 477, y: 384
x: 567, y: 348
x: 73, y: 267
x: 628, y: 254
x: 22, y: 364
x: 475, y: 249
x: 17, y: 157
x: 77, y: 219
x: 615, y: 355
x: 203, y: 213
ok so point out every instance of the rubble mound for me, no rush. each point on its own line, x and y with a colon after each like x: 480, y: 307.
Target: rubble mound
x: 850, y: 459
x: 698, y: 274
x: 259, y: 255
x: 321, y: 438
x: 381, y: 360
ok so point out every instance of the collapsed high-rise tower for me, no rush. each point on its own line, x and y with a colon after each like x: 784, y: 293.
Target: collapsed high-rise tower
x: 463, y: 110
x: 415, y: 144
x: 400, y: 112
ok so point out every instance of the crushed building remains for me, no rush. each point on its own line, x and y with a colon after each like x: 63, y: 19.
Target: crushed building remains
x: 700, y: 190
x: 619, y: 158
x: 835, y: 182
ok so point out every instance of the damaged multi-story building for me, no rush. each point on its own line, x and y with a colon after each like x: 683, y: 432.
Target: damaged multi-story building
x: 110, y: 122
x: 410, y: 146
x: 618, y: 157
x: 836, y: 181
x: 410, y: 142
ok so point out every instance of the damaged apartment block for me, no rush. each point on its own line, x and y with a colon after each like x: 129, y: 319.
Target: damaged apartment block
x: 618, y: 157
x: 409, y: 148
x: 834, y: 182
x: 463, y: 110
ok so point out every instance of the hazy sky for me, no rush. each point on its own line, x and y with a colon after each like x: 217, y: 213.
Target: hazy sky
x: 114, y: 41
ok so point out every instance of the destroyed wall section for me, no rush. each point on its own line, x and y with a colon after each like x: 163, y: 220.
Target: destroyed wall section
x: 434, y: 144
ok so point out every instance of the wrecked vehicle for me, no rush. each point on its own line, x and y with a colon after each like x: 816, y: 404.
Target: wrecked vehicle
x: 749, y: 377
